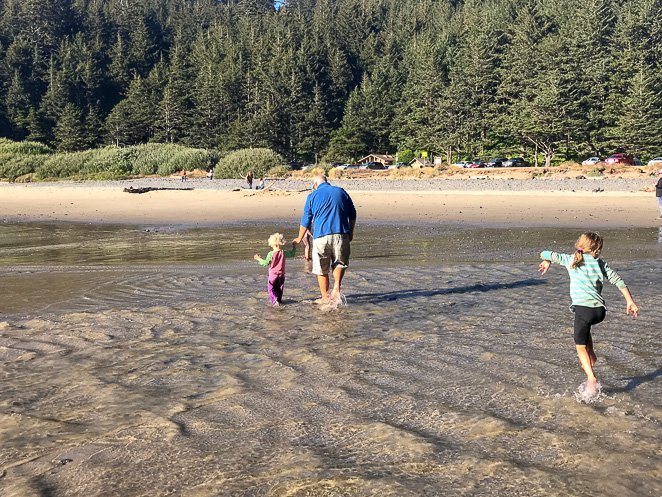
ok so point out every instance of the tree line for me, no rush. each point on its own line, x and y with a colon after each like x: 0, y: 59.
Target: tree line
x: 336, y: 79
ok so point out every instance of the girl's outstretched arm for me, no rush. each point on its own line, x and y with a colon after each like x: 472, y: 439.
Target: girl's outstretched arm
x: 548, y: 257
x: 615, y: 279
x: 631, y: 307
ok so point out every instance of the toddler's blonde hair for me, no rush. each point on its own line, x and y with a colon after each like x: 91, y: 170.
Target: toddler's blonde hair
x: 276, y: 240
x: 589, y: 243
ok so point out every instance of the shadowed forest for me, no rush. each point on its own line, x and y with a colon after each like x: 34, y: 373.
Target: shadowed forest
x: 336, y: 79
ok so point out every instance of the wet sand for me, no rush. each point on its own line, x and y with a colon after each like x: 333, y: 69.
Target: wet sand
x: 138, y: 362
x: 482, y: 203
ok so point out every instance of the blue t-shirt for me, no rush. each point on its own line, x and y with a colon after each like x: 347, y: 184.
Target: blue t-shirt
x: 329, y: 209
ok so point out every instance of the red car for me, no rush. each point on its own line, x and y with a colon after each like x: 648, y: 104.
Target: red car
x: 620, y: 159
x: 476, y: 164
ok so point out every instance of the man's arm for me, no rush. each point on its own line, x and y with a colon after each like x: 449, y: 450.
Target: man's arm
x: 306, y: 219
x: 302, y: 233
x: 352, y: 216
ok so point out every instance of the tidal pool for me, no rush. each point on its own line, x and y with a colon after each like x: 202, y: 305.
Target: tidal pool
x: 146, y: 361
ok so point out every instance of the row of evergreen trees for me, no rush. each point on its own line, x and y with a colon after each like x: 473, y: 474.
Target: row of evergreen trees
x: 336, y: 78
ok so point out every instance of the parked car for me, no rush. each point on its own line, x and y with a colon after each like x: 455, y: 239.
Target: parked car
x: 515, y: 162
x: 497, y: 162
x: 398, y: 165
x: 373, y: 166
x: 462, y: 163
x: 591, y: 161
x: 474, y: 164
x: 621, y: 159
x: 657, y: 161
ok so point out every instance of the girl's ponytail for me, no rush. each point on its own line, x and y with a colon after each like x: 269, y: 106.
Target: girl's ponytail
x: 577, y: 259
x: 589, y: 242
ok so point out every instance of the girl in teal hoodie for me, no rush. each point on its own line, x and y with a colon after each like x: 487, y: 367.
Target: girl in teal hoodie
x: 587, y: 275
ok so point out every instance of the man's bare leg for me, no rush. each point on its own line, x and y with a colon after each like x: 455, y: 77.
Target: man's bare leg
x: 338, y: 274
x: 323, y: 281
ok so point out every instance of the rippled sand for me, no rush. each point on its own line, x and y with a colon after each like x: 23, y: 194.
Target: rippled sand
x: 444, y: 375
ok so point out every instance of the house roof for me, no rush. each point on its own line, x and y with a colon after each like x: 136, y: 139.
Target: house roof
x: 422, y: 161
x: 382, y: 157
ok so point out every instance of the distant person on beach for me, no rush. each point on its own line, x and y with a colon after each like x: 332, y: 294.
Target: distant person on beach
x: 260, y: 184
x: 210, y: 173
x: 184, y: 176
x: 330, y: 213
x: 276, y: 262
x: 587, y: 275
x: 658, y: 192
x: 249, y: 180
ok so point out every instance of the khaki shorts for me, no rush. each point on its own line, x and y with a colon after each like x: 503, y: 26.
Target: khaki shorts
x: 329, y: 252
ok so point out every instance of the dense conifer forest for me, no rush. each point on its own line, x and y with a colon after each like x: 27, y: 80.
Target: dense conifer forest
x: 336, y: 79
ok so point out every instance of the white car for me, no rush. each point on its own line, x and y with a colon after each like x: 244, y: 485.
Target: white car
x: 462, y: 163
x: 591, y: 161
x: 657, y: 161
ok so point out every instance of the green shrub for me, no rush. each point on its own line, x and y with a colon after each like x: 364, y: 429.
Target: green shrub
x: 595, y: 172
x: 20, y: 158
x: 279, y: 172
x: 406, y: 155
x: 150, y: 157
x: 101, y: 163
x: 11, y: 167
x: 23, y: 148
x: 259, y: 160
x: 189, y: 158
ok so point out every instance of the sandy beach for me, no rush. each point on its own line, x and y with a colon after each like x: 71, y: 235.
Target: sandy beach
x: 596, y: 203
x: 139, y: 355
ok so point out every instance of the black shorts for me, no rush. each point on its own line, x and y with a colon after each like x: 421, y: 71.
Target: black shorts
x: 585, y: 317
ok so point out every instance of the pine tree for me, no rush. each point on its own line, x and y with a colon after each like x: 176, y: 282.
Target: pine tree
x: 349, y: 142
x: 36, y: 127
x: 170, y: 120
x: 70, y: 133
x: 640, y: 121
x: 18, y: 105
x: 118, y: 125
x: 544, y: 120
x: 94, y: 126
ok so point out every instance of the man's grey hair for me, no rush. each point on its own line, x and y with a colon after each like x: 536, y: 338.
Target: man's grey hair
x: 319, y: 179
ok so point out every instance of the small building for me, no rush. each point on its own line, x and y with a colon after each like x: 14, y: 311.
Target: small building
x: 384, y: 159
x: 420, y: 162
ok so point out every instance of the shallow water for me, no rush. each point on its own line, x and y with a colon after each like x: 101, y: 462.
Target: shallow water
x: 141, y: 362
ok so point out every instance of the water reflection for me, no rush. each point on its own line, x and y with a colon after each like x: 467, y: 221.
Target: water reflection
x: 142, y: 363
x: 76, y: 245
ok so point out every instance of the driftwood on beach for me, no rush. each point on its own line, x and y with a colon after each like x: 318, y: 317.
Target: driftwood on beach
x: 152, y: 189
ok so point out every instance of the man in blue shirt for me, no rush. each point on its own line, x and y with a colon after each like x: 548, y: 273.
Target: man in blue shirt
x: 331, y: 213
